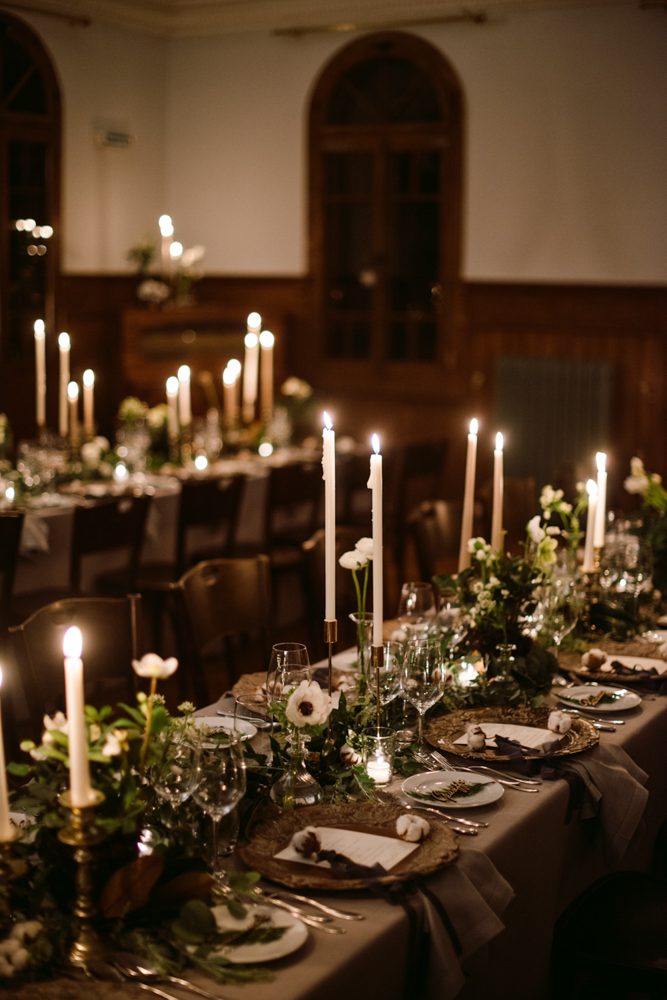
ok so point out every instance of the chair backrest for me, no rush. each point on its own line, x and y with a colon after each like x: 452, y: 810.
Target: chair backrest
x: 346, y: 596
x: 415, y: 474
x: 293, y: 490
x: 112, y: 638
x: 353, y: 498
x: 436, y: 532
x: 208, y: 501
x: 11, y: 524
x: 109, y: 524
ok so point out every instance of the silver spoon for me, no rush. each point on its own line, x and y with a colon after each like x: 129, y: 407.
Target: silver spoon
x: 142, y: 970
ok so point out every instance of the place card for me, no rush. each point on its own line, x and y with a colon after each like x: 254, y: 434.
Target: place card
x: 362, y: 848
x: 527, y: 736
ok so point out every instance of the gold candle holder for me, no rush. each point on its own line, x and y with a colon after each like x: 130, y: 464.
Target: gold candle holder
x: 592, y: 590
x: 82, y: 835
x: 378, y: 663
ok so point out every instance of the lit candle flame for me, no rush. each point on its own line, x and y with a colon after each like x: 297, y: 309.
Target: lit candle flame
x: 601, y: 460
x: 72, y: 643
x: 375, y: 441
x: 63, y: 341
x: 172, y: 384
x: 39, y: 327
x: 72, y: 390
x: 234, y: 365
x: 499, y: 441
x: 166, y: 225
x: 254, y: 320
x: 474, y: 425
x: 592, y: 488
x: 327, y: 421
x: 89, y: 377
x: 176, y: 249
x: 184, y: 373
x: 251, y: 339
x: 266, y: 339
x: 229, y: 376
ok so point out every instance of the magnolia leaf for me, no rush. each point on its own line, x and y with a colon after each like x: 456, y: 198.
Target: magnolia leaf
x: 130, y: 886
x: 195, y: 922
x: 20, y: 770
x: 177, y: 891
x: 236, y: 909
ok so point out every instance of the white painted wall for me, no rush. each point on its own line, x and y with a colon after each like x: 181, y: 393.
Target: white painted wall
x: 566, y: 144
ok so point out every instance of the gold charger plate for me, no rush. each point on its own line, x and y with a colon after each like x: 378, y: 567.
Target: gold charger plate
x: 273, y: 834
x: 443, y: 731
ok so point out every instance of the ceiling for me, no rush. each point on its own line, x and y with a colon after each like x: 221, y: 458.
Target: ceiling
x: 177, y: 18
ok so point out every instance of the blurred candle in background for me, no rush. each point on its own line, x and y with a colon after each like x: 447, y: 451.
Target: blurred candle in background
x: 468, y: 496
x: 167, y: 233
x: 175, y: 252
x: 73, y: 397
x: 229, y: 395
x: 329, y: 476
x: 234, y: 365
x: 88, y: 403
x: 64, y: 349
x: 251, y: 367
x: 589, y: 555
x: 266, y: 342
x: 184, y: 403
x: 172, y: 403
x: 40, y: 374
x: 375, y: 484
x: 6, y: 829
x: 498, y: 488
x: 601, y: 510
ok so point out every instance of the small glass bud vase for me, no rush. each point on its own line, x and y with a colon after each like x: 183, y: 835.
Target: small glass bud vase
x: 296, y: 786
x: 364, y: 622
x: 503, y: 665
x: 379, y: 746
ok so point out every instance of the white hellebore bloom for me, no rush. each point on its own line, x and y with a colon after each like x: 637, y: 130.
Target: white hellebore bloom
x: 365, y: 546
x: 308, y: 705
x: 152, y: 665
x: 637, y: 481
x: 534, y: 530
x: 114, y: 742
x: 353, y: 560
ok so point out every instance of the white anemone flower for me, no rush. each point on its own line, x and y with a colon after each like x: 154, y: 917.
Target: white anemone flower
x: 534, y: 529
x: 353, y: 560
x: 152, y: 665
x: 365, y: 546
x: 308, y: 705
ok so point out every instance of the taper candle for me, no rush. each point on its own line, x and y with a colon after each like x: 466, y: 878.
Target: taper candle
x: 73, y: 397
x: 589, y: 546
x: 251, y: 366
x: 498, y: 488
x: 601, y: 511
x: 329, y: 476
x: 88, y: 403
x: 79, y: 772
x: 167, y: 234
x: 40, y: 373
x: 468, y: 497
x: 234, y: 365
x: 266, y: 342
x: 172, y: 404
x: 229, y: 395
x: 375, y: 484
x: 184, y: 404
x: 64, y: 349
x: 6, y: 831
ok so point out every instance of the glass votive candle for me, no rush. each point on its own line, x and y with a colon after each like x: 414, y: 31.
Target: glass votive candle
x: 379, y: 745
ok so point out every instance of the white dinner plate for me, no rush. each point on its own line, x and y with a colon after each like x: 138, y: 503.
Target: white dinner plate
x: 225, y: 723
x: 293, y: 938
x: 441, y: 779
x: 573, y: 695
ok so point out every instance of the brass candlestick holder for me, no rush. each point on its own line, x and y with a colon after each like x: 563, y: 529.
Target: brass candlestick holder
x: 378, y: 663
x: 82, y: 835
x: 330, y: 637
x: 592, y: 590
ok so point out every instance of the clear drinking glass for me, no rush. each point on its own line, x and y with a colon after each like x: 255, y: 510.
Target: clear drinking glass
x: 561, y: 605
x: 425, y: 674
x: 174, y: 776
x: 289, y: 665
x: 391, y: 672
x: 416, y: 607
x: 221, y: 784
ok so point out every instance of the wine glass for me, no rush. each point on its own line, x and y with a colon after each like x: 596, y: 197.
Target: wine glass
x: 174, y: 776
x: 424, y: 677
x: 416, y: 607
x: 289, y: 665
x: 221, y: 784
x: 561, y: 605
x: 391, y: 672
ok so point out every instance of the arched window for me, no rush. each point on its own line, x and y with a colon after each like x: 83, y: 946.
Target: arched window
x: 29, y: 187
x: 385, y: 201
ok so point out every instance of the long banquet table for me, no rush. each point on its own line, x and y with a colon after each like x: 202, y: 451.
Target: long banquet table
x: 546, y: 861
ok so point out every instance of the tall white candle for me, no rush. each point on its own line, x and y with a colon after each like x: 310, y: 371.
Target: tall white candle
x: 6, y: 830
x: 172, y: 404
x: 73, y: 397
x: 329, y: 476
x: 88, y: 403
x: 266, y: 342
x: 468, y: 497
x: 601, y: 511
x: 498, y: 486
x: 234, y: 365
x: 375, y: 484
x: 589, y: 555
x: 40, y: 373
x: 167, y: 234
x: 251, y: 366
x: 64, y: 348
x: 175, y: 252
x: 184, y: 404
x: 79, y: 773
x: 229, y: 395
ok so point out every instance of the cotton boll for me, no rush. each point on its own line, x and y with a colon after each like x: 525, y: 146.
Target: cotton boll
x: 559, y: 722
x: 349, y: 755
x: 306, y: 842
x: 475, y: 737
x: 593, y: 659
x: 412, y: 828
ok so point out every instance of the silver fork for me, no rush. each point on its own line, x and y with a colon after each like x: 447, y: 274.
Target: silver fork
x: 445, y: 765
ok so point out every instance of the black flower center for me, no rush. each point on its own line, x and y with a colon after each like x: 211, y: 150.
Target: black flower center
x: 306, y: 708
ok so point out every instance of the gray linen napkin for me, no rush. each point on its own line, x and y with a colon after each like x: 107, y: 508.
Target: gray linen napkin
x: 615, y: 794
x: 474, y: 894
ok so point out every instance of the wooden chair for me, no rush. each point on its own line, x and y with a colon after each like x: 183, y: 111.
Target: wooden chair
x: 292, y: 511
x: 352, y: 494
x: 346, y: 596
x: 112, y: 638
x: 219, y: 600
x: 436, y: 532
x: 613, y: 933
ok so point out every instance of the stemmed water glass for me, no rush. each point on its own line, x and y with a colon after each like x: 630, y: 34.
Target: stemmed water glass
x: 289, y: 665
x: 424, y: 677
x: 174, y: 776
x: 416, y: 607
x: 221, y: 784
x: 561, y: 605
x: 391, y: 673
